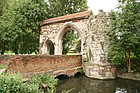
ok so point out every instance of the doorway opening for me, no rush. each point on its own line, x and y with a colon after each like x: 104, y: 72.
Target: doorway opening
x: 71, y: 42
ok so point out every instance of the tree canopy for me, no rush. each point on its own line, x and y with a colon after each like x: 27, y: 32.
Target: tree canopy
x: 125, y: 34
x: 19, y: 26
x: 63, y: 7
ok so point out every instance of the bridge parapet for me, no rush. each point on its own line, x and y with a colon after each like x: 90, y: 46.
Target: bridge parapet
x: 29, y: 65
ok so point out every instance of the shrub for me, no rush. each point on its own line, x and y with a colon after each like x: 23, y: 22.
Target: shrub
x: 12, y: 83
x: 45, y: 79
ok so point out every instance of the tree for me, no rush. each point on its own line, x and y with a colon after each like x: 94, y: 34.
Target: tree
x: 4, y: 4
x: 20, y: 27
x: 63, y: 7
x: 70, y: 40
x: 125, y: 34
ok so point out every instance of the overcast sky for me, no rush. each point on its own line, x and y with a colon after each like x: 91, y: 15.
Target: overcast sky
x: 105, y: 5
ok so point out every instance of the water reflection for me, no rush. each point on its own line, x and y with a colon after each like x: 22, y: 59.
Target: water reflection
x: 82, y: 84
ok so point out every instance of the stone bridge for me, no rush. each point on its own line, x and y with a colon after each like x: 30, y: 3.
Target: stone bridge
x: 93, y: 31
x: 94, y: 43
x: 29, y: 65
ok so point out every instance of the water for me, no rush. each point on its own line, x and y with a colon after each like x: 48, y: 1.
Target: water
x: 83, y: 84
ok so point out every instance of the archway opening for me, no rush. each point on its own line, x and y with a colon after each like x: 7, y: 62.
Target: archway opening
x: 71, y: 42
x: 78, y: 74
x: 49, y: 47
x: 62, y: 77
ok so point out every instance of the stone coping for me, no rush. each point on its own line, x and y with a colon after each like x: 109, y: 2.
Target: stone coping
x: 80, y: 15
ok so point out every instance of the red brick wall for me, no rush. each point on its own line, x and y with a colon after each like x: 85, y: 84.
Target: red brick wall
x: 5, y: 59
x: 33, y: 64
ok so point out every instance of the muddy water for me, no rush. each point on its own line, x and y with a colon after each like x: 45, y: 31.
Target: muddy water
x: 82, y: 84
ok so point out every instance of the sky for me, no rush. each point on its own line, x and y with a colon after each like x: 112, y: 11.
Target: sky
x: 105, y: 5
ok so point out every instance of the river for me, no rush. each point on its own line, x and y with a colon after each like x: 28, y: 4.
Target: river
x: 83, y: 84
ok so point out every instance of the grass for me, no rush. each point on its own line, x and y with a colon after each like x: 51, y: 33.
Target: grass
x: 2, y: 66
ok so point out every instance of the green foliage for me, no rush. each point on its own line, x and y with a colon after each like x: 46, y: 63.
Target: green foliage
x: 10, y: 83
x: 125, y: 33
x: 45, y: 79
x: 2, y: 66
x: 19, y: 27
x: 4, y: 4
x: 70, y: 40
x: 78, y: 46
x: 13, y: 83
x: 63, y: 7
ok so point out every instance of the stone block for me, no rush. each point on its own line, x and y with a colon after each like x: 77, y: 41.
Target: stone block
x: 99, y: 71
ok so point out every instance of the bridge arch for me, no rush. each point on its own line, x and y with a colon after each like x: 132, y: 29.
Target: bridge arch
x: 62, y: 31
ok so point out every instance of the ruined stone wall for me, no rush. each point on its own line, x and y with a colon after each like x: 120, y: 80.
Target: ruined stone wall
x: 97, y: 47
x: 93, y: 36
x: 97, y: 40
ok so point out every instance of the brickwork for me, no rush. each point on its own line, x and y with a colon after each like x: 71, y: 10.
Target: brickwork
x: 5, y: 59
x: 29, y: 65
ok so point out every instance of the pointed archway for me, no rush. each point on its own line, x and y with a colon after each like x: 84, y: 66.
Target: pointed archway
x: 62, y: 31
x: 48, y: 47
